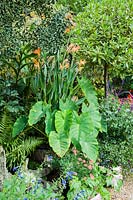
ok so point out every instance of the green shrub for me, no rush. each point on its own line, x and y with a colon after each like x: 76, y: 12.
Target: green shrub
x: 117, y: 153
x: 116, y: 142
x: 119, y: 117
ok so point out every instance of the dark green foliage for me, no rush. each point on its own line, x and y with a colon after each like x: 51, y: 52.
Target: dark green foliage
x: 50, y: 35
x: 117, y: 153
x: 15, y: 76
x: 27, y: 21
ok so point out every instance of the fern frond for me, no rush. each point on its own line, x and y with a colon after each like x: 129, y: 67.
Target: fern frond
x: 6, y: 125
x: 20, y: 149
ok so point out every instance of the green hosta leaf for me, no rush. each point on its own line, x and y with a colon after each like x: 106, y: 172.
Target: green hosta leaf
x: 88, y: 91
x: 60, y: 142
x: 89, y: 146
x: 19, y: 125
x: 37, y: 112
x: 63, y: 120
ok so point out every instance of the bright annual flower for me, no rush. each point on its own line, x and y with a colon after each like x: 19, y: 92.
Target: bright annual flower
x: 92, y: 176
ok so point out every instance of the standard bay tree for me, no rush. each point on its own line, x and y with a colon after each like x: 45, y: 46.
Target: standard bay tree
x: 104, y: 32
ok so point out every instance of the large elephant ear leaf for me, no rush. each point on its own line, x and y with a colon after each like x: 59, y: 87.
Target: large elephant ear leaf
x: 63, y: 120
x: 95, y: 117
x: 75, y: 131
x: 60, y: 142
x: 49, y: 121
x: 88, y: 90
x: 68, y: 105
x: 37, y: 112
x: 82, y: 135
x: 89, y: 146
x: 19, y: 125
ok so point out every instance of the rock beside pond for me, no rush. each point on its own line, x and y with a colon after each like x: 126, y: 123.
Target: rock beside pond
x: 3, y: 170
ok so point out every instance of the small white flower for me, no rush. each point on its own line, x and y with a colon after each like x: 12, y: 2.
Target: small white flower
x: 97, y: 197
x: 117, y: 169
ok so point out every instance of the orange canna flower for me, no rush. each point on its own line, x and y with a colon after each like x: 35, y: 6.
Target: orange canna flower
x: 67, y: 30
x: 36, y: 63
x: 82, y: 62
x: 37, y: 51
x: 68, y: 16
x: 72, y: 48
x: 61, y: 67
x: 65, y: 64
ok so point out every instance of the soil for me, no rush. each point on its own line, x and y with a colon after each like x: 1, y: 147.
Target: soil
x: 126, y: 192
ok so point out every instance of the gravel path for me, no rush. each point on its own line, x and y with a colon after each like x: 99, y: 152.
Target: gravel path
x: 126, y: 192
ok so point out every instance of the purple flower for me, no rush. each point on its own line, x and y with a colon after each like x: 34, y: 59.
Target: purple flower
x: 50, y: 158
x: 39, y: 181
x: 20, y: 175
x: 70, y: 175
x: 15, y: 168
x: 64, y: 183
x: 79, y: 195
x: 25, y: 199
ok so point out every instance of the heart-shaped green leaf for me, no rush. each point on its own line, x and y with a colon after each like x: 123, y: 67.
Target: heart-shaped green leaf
x: 60, y: 142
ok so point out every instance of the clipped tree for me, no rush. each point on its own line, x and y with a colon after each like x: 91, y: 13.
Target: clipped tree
x: 104, y: 32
